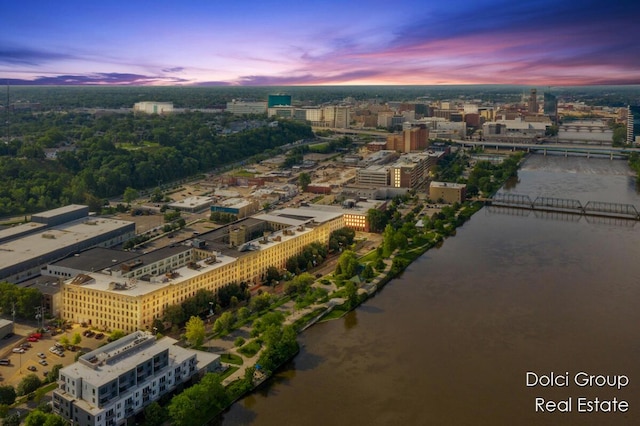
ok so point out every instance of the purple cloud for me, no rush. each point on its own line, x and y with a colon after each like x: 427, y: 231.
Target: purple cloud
x: 30, y: 56
x: 98, y: 79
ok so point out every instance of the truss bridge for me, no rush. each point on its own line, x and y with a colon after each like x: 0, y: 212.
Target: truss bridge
x: 563, y: 205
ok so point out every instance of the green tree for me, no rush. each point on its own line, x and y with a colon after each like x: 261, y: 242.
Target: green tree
x: 130, y: 194
x: 154, y: 414
x: 183, y: 410
x: 273, y: 275
x: 76, y: 339
x: 348, y: 263
x: 377, y: 220
x: 7, y: 395
x: 28, y: 384
x: 260, y: 302
x: 224, y: 322
x: 11, y: 420
x: 304, y: 179
x: 116, y: 334
x: 388, y: 243
x: 368, y: 273
x: 351, y: 292
x: 280, y: 345
x: 195, y: 331
x: 55, y: 420
x: 52, y: 376
x: 64, y: 341
x: 35, y: 418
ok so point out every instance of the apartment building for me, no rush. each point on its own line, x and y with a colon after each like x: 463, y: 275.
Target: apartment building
x: 113, y: 383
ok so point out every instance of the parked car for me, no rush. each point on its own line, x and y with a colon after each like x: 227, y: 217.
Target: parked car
x: 32, y: 339
x: 32, y: 368
x: 41, y: 355
x: 5, y: 361
x: 18, y: 350
x: 99, y: 335
x: 43, y: 362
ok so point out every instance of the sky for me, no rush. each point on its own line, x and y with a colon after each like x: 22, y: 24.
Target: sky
x: 332, y: 42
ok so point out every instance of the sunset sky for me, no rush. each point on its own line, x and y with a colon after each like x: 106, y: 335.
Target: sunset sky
x: 267, y: 42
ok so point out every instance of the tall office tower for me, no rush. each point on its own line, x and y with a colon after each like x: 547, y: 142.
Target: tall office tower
x: 551, y: 106
x: 278, y: 99
x: 633, y: 124
x: 342, y: 117
x: 533, y: 102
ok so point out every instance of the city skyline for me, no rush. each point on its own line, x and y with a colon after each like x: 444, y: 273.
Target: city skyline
x: 341, y: 43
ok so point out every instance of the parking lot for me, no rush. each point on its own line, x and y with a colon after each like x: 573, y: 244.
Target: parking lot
x: 29, y: 362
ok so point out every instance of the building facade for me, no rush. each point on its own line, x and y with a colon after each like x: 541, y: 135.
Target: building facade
x: 238, y: 107
x: 448, y: 192
x: 130, y: 301
x: 115, y: 382
x: 153, y: 107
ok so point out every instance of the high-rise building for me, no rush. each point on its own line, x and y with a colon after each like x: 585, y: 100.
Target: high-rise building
x: 633, y: 124
x: 278, y: 99
x: 533, y: 101
x: 551, y: 106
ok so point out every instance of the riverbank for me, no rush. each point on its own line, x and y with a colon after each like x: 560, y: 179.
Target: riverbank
x: 408, y: 234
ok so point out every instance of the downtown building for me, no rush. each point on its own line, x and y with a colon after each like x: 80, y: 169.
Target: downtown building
x: 113, y: 383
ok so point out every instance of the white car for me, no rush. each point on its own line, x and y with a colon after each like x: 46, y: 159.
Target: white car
x: 41, y: 355
x: 18, y: 351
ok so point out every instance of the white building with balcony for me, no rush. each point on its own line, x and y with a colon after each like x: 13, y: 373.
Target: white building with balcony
x: 115, y: 382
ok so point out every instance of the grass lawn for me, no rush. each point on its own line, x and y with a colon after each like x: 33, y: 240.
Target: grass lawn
x: 231, y: 359
x: 229, y: 372
x: 250, y: 349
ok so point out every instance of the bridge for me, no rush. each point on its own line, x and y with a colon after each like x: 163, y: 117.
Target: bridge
x: 563, y: 148
x: 563, y: 205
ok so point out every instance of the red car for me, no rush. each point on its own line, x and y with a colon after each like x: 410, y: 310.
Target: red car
x: 32, y: 339
x: 36, y: 335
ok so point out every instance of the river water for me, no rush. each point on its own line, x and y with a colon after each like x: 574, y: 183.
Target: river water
x: 450, y: 342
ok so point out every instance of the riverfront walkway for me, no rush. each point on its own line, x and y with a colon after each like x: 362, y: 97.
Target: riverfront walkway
x: 226, y: 345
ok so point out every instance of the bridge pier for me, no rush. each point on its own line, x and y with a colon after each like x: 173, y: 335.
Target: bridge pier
x: 544, y: 152
x: 566, y: 153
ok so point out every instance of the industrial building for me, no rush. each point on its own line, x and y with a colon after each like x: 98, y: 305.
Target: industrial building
x: 131, y: 297
x: 6, y: 327
x: 113, y: 383
x: 56, y: 234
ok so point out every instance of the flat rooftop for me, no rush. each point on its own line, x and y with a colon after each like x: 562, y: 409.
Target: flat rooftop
x: 60, y: 210
x: 95, y: 259
x: 55, y: 238
x: 15, y: 231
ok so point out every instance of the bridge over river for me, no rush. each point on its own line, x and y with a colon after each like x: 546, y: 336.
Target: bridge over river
x: 564, y: 205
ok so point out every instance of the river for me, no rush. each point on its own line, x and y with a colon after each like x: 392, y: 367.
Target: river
x: 450, y: 342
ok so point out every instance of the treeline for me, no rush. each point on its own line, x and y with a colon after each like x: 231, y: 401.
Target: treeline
x: 20, y: 301
x: 115, y: 152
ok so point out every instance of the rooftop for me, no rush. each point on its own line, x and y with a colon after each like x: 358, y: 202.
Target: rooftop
x: 55, y: 238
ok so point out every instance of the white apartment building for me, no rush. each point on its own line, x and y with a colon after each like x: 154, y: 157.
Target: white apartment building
x: 113, y: 383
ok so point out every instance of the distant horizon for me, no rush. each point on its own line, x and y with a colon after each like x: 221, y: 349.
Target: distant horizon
x: 289, y: 43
